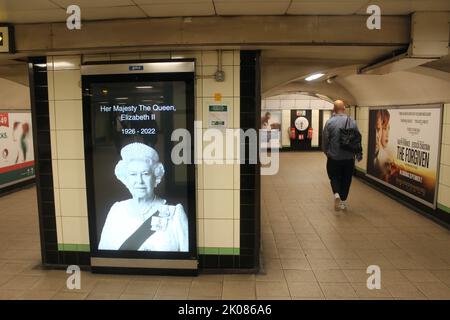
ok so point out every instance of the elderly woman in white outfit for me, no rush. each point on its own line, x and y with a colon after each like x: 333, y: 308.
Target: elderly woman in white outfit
x: 145, y: 222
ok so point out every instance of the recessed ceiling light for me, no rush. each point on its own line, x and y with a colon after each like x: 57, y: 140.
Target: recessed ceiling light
x: 144, y: 87
x: 314, y: 76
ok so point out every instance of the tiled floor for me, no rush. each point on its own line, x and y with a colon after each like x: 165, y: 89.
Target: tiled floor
x: 310, y: 252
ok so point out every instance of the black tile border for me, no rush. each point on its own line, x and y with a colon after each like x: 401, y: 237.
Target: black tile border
x: 37, y: 72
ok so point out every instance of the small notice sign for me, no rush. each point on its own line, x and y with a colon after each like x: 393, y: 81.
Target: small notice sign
x: 217, y: 116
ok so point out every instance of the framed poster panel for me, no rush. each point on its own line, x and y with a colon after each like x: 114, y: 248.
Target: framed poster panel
x: 141, y: 205
x: 404, y: 149
x: 270, y: 129
x: 16, y: 148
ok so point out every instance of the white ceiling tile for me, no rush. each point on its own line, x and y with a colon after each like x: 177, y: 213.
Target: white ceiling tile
x: 94, y: 3
x: 176, y: 10
x: 111, y: 13
x: 327, y: 7
x: 23, y: 5
x: 251, y: 7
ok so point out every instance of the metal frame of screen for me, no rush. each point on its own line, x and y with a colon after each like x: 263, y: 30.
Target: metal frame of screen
x: 130, y: 71
x: 427, y: 106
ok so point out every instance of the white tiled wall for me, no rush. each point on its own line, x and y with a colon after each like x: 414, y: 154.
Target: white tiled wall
x: 218, y: 202
x: 66, y: 125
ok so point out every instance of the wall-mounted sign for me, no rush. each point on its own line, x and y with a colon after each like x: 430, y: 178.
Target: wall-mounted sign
x: 301, y: 123
x: 217, y: 116
x: 6, y: 39
x: 16, y: 148
x: 403, y: 150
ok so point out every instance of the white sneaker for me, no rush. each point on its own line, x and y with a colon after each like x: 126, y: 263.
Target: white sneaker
x: 337, y: 201
x: 343, y: 206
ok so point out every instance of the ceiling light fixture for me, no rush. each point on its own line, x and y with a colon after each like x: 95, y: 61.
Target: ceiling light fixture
x: 144, y: 87
x: 314, y: 76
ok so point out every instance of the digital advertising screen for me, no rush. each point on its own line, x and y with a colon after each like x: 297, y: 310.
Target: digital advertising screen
x: 403, y: 150
x: 142, y: 204
x: 16, y: 148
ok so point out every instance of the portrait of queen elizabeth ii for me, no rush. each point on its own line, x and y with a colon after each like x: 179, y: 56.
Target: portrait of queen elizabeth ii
x: 145, y: 222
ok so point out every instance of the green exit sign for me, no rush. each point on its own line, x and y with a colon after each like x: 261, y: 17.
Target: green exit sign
x: 6, y: 39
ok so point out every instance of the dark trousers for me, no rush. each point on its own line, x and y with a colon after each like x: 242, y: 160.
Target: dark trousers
x: 340, y: 173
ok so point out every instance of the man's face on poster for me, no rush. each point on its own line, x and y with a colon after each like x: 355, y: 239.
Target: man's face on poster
x: 140, y: 179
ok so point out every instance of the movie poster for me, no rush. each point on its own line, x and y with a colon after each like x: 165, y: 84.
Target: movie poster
x: 270, y: 129
x: 403, y: 150
x: 16, y: 148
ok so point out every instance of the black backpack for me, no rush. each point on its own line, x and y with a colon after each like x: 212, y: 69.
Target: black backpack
x: 350, y: 139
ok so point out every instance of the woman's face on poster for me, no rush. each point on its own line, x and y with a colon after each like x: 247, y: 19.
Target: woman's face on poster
x: 385, y: 135
x: 378, y: 129
x: 140, y: 179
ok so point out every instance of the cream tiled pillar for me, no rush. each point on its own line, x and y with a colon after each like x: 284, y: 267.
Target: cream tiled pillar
x: 66, y: 126
x: 444, y: 175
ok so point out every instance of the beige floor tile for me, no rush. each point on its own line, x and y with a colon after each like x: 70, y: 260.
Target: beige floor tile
x: 330, y: 276
x: 403, y: 290
x: 49, y: 284
x: 363, y: 292
x: 300, y: 276
x: 239, y: 277
x: 110, y: 286
x: 131, y: 296
x: 20, y: 282
x: 11, y: 294
x: 295, y: 264
x: 338, y: 290
x: 272, y: 264
x: 204, y: 297
x: 351, y: 263
x: 323, y: 264
x: 37, y: 295
x: 147, y: 288
x: 270, y: 275
x: 434, y: 291
x: 272, y: 288
x: 70, y: 296
x: 305, y: 290
x: 419, y: 276
x: 210, y: 277
x: 443, y: 275
x: 103, y: 296
x: 173, y: 289
x: 206, y: 289
x: 239, y: 289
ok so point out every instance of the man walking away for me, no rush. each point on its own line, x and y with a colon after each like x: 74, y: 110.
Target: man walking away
x: 340, y: 162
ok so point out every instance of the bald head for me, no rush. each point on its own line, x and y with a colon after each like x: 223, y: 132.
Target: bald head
x: 339, y: 106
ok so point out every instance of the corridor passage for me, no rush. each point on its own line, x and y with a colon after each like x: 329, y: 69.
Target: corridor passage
x: 309, y: 251
x: 317, y: 253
